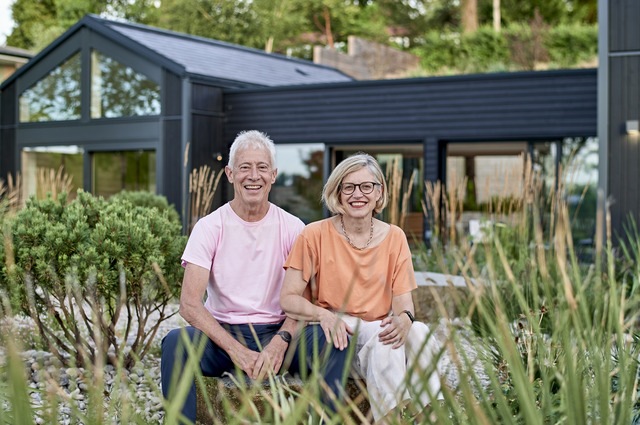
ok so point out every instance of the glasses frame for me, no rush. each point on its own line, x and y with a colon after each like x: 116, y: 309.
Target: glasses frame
x: 359, y: 186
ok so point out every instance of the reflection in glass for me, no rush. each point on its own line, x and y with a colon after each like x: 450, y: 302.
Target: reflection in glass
x: 125, y: 170
x: 543, y: 158
x: 299, y: 182
x: 56, y: 97
x: 491, y: 178
x: 119, y: 91
x: 580, y: 180
x: 44, y: 159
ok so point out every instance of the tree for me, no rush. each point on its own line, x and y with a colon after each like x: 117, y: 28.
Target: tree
x: 37, y: 23
x: 552, y: 12
x: 469, y: 13
x: 496, y: 15
x: 30, y: 18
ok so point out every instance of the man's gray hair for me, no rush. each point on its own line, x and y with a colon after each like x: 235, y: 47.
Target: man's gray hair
x: 252, y: 139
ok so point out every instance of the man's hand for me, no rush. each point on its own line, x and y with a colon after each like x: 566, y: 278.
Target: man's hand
x: 271, y: 357
x: 245, y: 359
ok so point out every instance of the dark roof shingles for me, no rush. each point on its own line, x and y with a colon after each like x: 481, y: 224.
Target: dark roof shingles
x: 215, y: 59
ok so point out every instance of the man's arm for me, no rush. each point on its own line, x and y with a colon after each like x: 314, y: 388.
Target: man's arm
x: 194, y: 285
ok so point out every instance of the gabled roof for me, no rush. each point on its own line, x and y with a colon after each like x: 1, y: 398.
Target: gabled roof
x: 15, y: 52
x: 202, y: 57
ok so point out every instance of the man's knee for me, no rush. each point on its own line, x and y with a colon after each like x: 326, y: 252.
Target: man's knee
x: 170, y: 341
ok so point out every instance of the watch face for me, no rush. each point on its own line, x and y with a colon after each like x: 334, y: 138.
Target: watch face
x: 286, y: 336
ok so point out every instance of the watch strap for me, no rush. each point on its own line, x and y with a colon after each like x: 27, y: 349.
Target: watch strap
x: 410, y: 314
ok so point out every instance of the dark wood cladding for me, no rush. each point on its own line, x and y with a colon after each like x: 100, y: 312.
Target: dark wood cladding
x: 206, y: 98
x: 207, y: 132
x: 514, y: 106
x: 172, y: 165
x: 8, y: 104
x: 624, y: 152
x: 172, y: 94
x: 171, y: 139
x: 624, y: 25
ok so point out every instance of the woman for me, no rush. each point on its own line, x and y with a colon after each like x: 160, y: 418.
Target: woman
x: 360, y: 275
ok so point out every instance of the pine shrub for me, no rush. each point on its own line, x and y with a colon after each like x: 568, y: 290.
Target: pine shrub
x: 96, y: 276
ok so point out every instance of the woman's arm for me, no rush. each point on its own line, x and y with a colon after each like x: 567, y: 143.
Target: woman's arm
x: 399, y: 323
x: 298, y: 307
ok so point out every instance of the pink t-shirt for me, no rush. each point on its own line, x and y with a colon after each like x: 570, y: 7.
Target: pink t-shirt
x: 245, y: 261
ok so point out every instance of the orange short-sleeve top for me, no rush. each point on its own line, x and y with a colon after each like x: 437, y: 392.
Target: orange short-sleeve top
x: 361, y: 283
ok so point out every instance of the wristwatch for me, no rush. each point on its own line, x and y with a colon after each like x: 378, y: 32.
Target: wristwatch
x: 286, y: 336
x: 413, y: 319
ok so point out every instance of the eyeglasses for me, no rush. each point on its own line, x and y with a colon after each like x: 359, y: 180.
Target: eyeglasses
x: 365, y: 187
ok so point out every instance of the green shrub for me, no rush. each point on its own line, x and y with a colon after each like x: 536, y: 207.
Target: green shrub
x: 568, y: 45
x: 146, y: 199
x: 118, y: 261
x: 440, y: 50
x: 484, y: 50
x: 516, y: 47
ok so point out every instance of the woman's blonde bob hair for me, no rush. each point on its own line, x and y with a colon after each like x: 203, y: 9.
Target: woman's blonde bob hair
x: 331, y: 190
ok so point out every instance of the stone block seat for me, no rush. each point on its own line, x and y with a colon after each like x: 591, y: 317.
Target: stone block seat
x: 437, y: 297
x: 256, y: 403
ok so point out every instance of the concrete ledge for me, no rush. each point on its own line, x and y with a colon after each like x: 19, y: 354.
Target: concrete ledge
x: 440, y: 296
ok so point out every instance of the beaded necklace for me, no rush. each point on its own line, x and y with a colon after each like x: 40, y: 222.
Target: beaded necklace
x: 349, y: 239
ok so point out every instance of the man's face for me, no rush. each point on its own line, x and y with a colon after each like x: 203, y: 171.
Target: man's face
x: 252, y: 176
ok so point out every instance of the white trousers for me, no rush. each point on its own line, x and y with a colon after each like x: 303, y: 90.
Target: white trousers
x: 385, y: 369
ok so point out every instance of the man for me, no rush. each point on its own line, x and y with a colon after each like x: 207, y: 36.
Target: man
x: 236, y: 255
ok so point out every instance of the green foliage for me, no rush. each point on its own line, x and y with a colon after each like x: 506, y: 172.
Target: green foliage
x: 121, y: 262
x: 571, y: 44
x: 516, y: 47
x: 483, y: 51
x: 563, y: 335
x: 40, y: 22
x: 439, y: 51
x: 141, y: 198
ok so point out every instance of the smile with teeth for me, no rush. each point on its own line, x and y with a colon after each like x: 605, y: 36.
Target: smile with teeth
x: 358, y: 204
x: 252, y: 187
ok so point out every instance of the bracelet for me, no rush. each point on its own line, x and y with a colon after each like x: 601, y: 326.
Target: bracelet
x: 413, y: 319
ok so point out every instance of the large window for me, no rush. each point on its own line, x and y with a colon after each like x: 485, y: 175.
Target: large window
x: 51, y: 169
x: 580, y: 179
x: 56, y: 97
x: 124, y: 170
x: 119, y: 91
x: 299, y: 183
x: 485, y: 173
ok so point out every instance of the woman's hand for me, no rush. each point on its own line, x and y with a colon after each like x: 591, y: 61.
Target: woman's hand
x: 335, y: 329
x: 396, y: 330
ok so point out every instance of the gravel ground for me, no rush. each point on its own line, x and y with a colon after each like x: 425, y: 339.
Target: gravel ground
x: 139, y: 387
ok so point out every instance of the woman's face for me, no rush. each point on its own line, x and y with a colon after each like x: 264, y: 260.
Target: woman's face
x: 358, y: 204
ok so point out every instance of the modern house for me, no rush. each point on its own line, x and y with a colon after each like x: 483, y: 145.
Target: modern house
x: 126, y: 106
x: 619, y: 109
